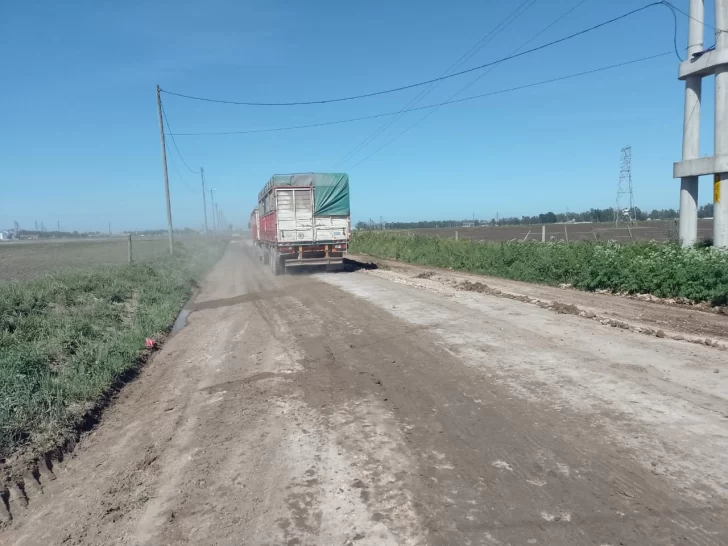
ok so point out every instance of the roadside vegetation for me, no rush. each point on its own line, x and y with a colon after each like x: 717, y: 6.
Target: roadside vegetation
x: 66, y: 339
x: 664, y: 270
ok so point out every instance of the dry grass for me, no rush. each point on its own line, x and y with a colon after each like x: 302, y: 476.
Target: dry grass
x: 30, y: 259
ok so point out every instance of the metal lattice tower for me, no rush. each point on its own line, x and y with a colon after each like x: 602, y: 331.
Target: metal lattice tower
x: 622, y: 214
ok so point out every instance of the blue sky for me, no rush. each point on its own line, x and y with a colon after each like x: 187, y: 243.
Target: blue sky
x: 80, y: 135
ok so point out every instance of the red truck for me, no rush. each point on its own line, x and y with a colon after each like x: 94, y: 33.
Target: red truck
x: 302, y: 220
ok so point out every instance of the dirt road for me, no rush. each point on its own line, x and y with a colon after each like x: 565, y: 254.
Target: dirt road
x: 370, y: 408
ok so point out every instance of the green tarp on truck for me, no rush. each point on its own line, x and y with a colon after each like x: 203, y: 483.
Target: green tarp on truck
x: 331, y: 190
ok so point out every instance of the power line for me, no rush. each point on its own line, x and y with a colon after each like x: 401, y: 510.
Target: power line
x: 674, y: 7
x: 482, y: 42
x: 179, y: 174
x: 428, y: 106
x: 473, y: 82
x: 515, y: 89
x: 419, y: 84
x: 170, y: 133
x: 674, y: 34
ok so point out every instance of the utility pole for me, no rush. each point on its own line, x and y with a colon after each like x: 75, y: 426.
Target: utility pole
x: 204, y: 201
x: 58, y: 226
x: 212, y: 209
x: 688, y: 228
x: 699, y: 64
x: 166, y: 176
x: 720, y: 202
x: 109, y: 229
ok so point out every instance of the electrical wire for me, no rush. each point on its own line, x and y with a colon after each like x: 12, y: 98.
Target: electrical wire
x: 473, y: 82
x: 674, y: 7
x: 170, y: 133
x: 428, y: 106
x: 674, y: 34
x: 179, y: 174
x: 482, y: 42
x: 512, y: 89
x: 426, y: 82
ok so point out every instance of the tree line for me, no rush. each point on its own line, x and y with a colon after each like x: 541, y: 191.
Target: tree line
x: 592, y: 215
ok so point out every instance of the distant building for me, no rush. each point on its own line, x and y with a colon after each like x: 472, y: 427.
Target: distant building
x: 5, y: 236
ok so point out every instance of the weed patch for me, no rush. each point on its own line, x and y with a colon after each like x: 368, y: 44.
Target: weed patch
x: 65, y: 339
x: 664, y: 270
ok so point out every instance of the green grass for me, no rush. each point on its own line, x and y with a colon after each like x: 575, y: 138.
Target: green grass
x: 66, y: 339
x: 665, y: 270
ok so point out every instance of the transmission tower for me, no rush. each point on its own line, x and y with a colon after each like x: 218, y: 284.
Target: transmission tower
x: 625, y: 214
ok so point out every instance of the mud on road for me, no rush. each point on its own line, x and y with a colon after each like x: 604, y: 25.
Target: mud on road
x: 373, y: 407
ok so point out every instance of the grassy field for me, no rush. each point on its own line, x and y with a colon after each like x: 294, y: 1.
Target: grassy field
x: 23, y: 260
x: 665, y: 270
x: 67, y: 338
x: 656, y: 230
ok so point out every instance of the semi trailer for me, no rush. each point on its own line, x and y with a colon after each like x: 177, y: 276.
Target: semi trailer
x: 302, y: 220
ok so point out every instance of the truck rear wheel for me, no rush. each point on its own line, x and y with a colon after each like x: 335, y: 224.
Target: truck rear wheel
x: 276, y: 266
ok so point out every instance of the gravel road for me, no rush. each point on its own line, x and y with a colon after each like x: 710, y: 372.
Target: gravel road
x: 376, y: 408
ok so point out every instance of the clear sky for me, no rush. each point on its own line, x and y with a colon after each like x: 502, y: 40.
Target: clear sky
x: 79, y: 134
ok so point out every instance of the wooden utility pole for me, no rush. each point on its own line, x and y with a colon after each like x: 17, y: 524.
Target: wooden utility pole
x: 212, y: 209
x: 129, y: 247
x: 166, y: 176
x: 204, y: 200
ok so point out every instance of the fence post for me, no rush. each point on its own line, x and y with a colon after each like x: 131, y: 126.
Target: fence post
x: 566, y: 234
x: 129, y: 246
x: 456, y: 235
x: 543, y: 234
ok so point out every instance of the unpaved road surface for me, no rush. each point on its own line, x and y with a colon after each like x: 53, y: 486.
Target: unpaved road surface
x: 370, y: 408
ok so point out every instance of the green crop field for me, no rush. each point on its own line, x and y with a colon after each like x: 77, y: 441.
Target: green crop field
x: 662, y: 269
x: 77, y: 325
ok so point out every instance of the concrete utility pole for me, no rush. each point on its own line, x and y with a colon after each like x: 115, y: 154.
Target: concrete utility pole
x: 720, y: 202
x: 698, y: 65
x: 166, y: 176
x: 204, y: 201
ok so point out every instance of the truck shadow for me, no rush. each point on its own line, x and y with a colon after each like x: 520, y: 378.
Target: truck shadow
x: 349, y: 266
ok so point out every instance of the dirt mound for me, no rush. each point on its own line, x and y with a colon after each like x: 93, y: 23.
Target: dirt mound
x: 565, y: 308
x: 476, y: 286
x: 425, y: 275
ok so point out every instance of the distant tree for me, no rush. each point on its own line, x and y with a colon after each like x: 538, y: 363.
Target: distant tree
x: 706, y: 211
x: 548, y: 218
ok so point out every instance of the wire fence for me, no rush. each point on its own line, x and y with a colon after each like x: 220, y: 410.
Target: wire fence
x: 26, y: 259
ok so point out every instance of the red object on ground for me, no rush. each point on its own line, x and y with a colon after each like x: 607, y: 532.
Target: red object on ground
x: 151, y: 344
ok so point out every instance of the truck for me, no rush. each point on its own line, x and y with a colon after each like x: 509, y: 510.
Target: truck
x: 302, y: 219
